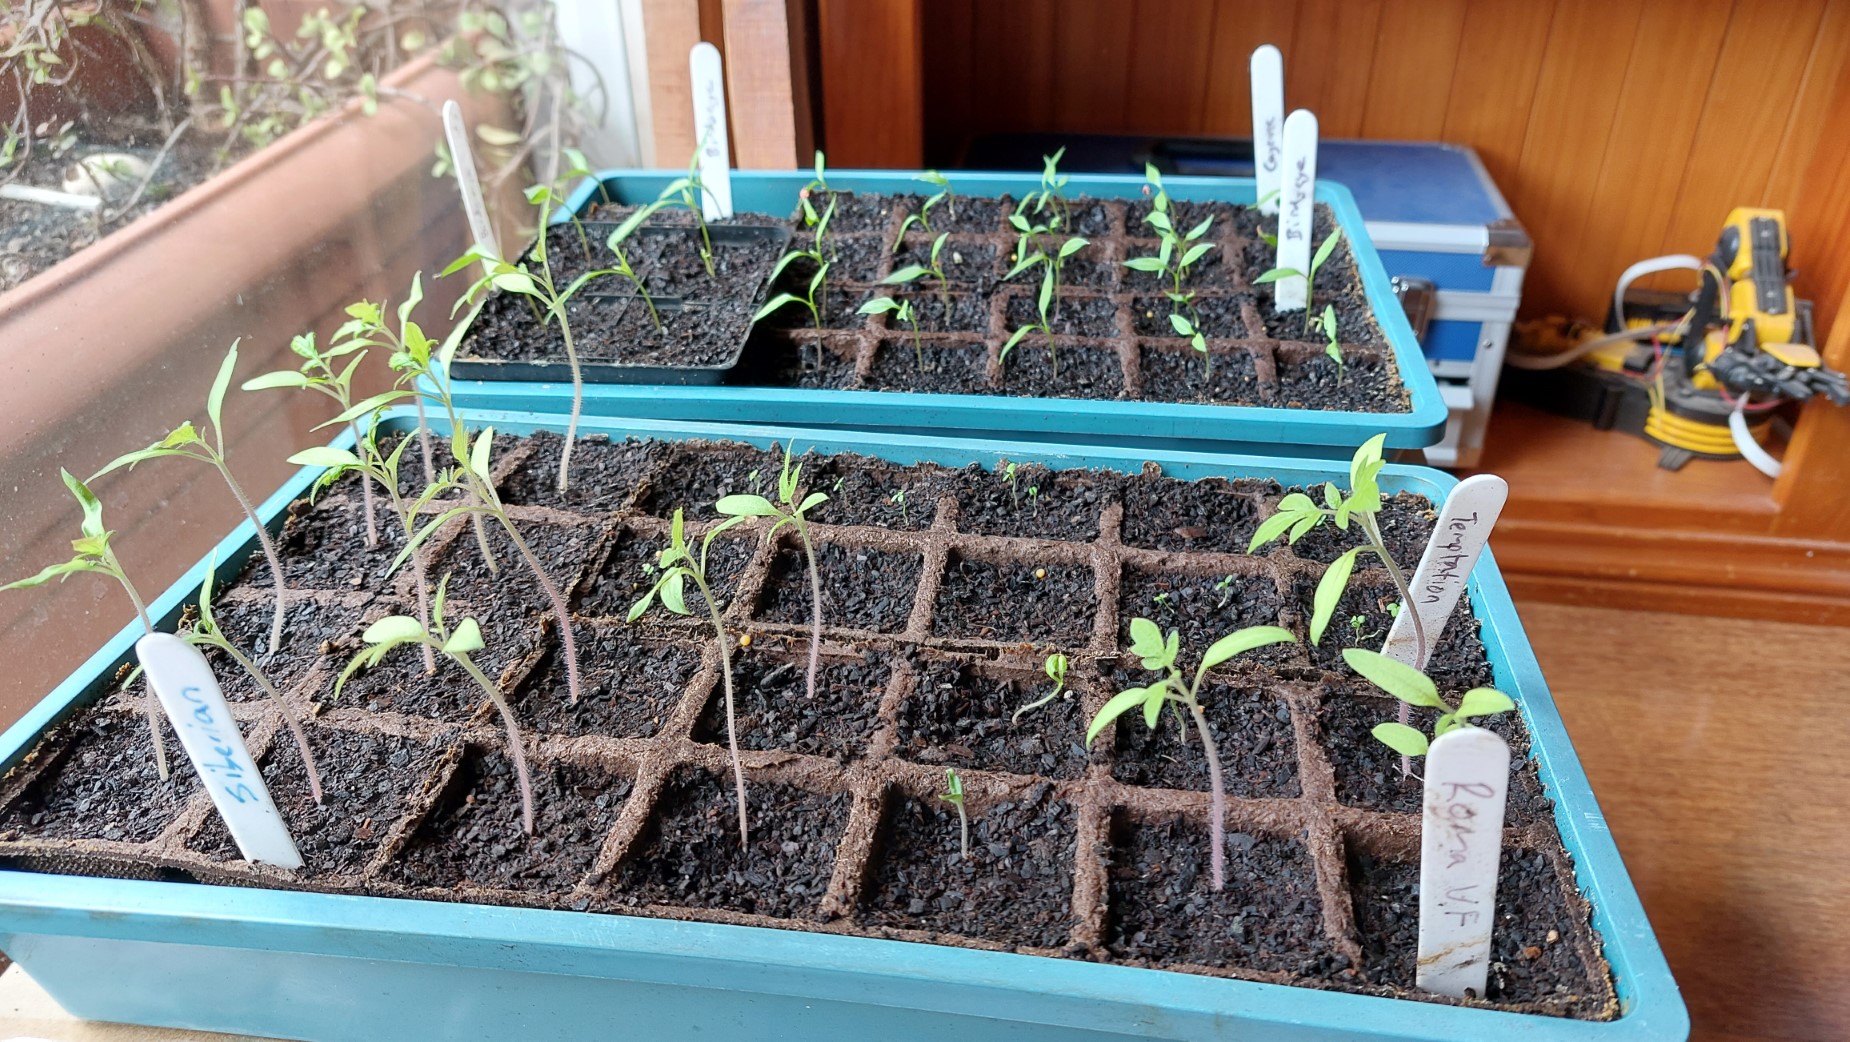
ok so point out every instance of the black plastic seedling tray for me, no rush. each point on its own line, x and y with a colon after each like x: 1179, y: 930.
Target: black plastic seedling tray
x: 767, y: 241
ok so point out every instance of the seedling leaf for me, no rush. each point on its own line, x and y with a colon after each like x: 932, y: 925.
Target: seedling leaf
x: 745, y: 506
x: 1241, y: 641
x: 1402, y: 739
x: 467, y: 638
x: 215, y: 399
x: 1120, y: 703
x: 1483, y: 701
x: 1394, y: 676
x: 1329, y: 592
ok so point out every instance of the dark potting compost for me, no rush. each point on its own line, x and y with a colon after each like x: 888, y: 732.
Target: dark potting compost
x: 1112, y: 337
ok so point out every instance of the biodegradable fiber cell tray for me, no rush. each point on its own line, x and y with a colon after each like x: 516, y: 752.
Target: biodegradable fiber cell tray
x: 556, y: 952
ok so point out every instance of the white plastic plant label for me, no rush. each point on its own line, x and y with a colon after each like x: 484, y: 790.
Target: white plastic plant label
x: 709, y: 79
x: 184, y: 683
x: 462, y: 158
x: 1268, y: 74
x: 1461, y: 842
x: 1458, y: 537
x: 1296, y: 209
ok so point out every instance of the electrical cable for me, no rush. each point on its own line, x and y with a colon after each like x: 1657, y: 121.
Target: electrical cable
x: 1750, y: 449
x: 1651, y: 266
x: 1559, y: 359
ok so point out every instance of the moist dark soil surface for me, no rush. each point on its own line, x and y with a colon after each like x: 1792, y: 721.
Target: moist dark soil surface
x: 363, y: 795
x: 1361, y: 384
x: 862, y: 588
x: 1209, y: 515
x: 964, y: 716
x: 630, y: 685
x: 1176, y: 372
x: 1534, y: 958
x: 324, y: 546
x: 1251, y: 728
x: 773, y: 709
x: 247, y: 625
x: 1048, y: 604
x: 1267, y: 918
x: 1204, y: 608
x: 630, y: 571
x: 105, y: 785
x: 1015, y: 887
x: 1074, y: 371
x: 1035, y: 503
x: 942, y: 606
x: 1214, y: 317
x: 1100, y: 315
x: 959, y: 369
x: 700, y: 318
x: 852, y: 258
x: 1365, y: 614
x: 967, y: 265
x: 1070, y: 316
x: 1368, y: 774
x: 473, y: 838
x: 693, y: 860
x: 602, y: 477
x: 811, y: 362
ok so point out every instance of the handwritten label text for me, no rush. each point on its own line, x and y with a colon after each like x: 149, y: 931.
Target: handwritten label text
x: 1461, y: 843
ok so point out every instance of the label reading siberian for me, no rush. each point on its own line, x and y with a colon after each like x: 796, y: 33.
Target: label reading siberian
x: 183, y: 681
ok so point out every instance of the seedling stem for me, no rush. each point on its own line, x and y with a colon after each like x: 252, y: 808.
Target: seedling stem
x: 1159, y: 655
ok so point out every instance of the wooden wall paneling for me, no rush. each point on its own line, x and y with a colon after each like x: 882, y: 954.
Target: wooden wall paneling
x: 1807, y: 118
x: 1226, y: 93
x: 948, y: 53
x: 760, y: 105
x: 670, y: 29
x: 1017, y: 38
x: 1327, y: 65
x: 1493, y: 82
x: 1811, y: 488
x: 1170, y: 72
x: 1091, y: 68
x: 1671, y: 63
x: 1818, y: 204
x: 1744, y: 116
x: 872, y: 86
x: 1410, y: 80
x: 1576, y: 94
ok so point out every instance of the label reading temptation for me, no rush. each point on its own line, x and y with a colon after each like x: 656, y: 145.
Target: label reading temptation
x: 1458, y: 537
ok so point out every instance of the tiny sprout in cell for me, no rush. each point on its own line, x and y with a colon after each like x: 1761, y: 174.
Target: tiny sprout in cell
x: 902, y: 311
x: 1056, y: 667
x: 954, y: 794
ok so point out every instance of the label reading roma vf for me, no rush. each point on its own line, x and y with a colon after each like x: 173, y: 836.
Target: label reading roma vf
x: 1461, y: 842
